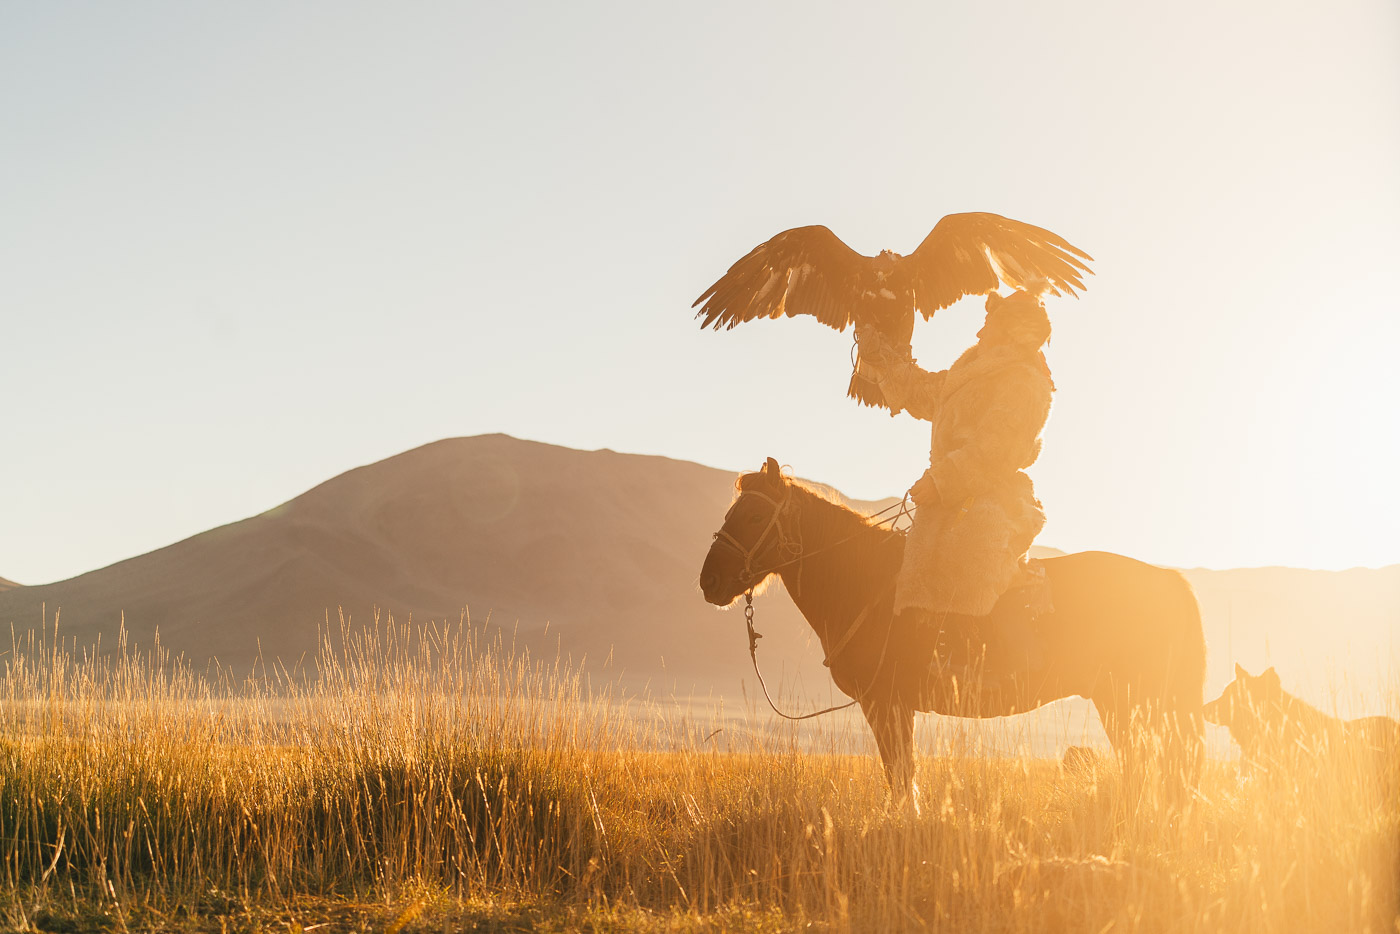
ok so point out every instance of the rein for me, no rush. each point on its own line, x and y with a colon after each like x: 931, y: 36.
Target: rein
x: 754, y: 636
x: 794, y: 548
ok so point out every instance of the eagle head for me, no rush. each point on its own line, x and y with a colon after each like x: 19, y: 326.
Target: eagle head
x: 885, y: 263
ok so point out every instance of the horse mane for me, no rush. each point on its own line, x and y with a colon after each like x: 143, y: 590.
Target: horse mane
x: 821, y: 493
x: 867, y: 543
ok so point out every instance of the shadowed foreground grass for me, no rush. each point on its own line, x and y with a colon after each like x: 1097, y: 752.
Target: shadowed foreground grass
x: 429, y: 779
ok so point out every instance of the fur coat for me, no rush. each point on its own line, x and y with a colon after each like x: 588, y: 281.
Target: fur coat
x: 977, y: 511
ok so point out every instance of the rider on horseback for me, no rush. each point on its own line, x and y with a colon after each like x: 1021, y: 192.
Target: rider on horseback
x: 977, y: 513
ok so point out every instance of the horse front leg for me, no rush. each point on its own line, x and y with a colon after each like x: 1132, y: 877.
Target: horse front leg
x: 893, y: 726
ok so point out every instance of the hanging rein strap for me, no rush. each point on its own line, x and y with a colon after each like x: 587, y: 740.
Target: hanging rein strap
x: 754, y: 636
x: 852, y: 629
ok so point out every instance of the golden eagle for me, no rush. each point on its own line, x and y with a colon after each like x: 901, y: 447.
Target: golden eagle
x: 809, y: 271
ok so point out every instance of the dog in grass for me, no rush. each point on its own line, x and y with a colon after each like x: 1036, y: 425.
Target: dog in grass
x: 1270, y: 724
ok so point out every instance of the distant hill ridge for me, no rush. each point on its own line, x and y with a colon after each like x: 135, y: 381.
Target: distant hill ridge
x: 602, y: 546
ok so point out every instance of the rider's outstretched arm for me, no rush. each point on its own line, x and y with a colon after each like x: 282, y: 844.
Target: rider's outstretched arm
x: 904, y: 384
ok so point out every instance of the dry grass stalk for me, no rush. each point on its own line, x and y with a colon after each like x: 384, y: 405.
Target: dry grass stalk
x: 437, y: 759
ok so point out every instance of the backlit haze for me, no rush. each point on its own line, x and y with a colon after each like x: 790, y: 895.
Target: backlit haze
x: 245, y: 248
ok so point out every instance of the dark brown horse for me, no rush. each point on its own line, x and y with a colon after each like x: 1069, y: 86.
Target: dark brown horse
x: 1124, y: 634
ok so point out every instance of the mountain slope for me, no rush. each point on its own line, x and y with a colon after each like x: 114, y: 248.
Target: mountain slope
x: 604, y: 547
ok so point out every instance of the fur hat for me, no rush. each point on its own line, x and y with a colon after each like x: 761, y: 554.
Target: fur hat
x: 1019, y: 317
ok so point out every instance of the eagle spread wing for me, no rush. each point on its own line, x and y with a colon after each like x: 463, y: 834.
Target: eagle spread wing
x: 966, y: 254
x: 809, y: 271
x: 802, y: 271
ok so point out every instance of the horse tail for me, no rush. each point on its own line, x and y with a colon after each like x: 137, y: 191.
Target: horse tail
x: 1193, y: 639
x: 1188, y: 677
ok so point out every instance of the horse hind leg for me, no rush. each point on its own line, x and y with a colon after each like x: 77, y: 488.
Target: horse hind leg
x: 1185, y: 732
x: 1160, y: 751
x: 1127, y: 738
x: 893, y: 727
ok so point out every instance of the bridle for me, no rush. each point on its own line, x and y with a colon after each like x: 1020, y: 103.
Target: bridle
x: 791, y: 546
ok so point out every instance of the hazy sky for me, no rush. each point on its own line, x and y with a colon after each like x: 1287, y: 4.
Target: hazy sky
x: 246, y: 247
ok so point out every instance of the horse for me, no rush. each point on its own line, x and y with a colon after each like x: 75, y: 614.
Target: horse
x: 1125, y: 634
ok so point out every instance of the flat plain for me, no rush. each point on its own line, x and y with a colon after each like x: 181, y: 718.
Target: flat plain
x: 431, y: 778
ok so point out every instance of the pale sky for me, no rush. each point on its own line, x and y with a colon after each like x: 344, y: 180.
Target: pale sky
x: 245, y: 247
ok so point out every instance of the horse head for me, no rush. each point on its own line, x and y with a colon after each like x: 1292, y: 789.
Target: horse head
x: 756, y: 539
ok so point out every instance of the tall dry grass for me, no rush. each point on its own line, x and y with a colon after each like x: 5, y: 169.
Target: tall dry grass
x: 437, y: 760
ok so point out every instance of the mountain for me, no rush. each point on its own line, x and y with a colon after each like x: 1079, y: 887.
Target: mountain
x: 593, y: 553
x: 601, y: 548
x: 7, y: 585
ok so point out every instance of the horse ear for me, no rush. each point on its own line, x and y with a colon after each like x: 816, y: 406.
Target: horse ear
x: 1240, y: 672
x: 1271, y: 679
x: 771, y: 468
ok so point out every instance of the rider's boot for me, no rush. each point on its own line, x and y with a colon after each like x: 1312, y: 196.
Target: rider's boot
x: 982, y: 660
x: 1019, y: 639
x: 958, y: 658
x: 1017, y: 657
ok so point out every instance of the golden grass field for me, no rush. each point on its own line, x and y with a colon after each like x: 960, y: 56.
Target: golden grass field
x: 431, y: 779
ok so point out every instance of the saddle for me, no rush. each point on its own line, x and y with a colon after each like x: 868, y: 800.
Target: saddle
x: 1012, y: 632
